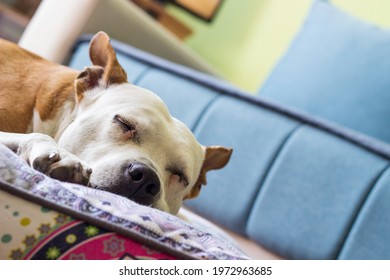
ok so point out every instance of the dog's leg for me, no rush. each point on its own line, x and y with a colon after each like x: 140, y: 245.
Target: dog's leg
x: 42, y: 153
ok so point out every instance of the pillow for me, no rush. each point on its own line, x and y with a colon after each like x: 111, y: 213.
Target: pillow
x: 338, y: 68
x: 81, y: 222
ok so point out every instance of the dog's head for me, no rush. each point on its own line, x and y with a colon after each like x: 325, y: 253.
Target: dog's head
x: 133, y: 145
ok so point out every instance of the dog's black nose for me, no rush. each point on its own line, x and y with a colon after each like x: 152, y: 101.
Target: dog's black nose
x: 144, y: 181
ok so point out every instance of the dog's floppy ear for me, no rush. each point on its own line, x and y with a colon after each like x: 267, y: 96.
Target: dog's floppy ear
x: 106, y: 69
x: 216, y: 157
x: 102, y: 54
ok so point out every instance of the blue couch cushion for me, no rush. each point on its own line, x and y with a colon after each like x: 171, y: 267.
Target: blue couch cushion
x: 338, y: 68
x: 312, y: 194
x: 367, y: 239
x: 256, y: 134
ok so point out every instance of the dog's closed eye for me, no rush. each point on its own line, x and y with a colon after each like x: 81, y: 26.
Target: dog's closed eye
x: 128, y: 128
x: 178, y: 176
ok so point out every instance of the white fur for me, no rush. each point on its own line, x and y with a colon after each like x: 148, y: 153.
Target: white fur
x: 86, y: 134
x: 164, y: 140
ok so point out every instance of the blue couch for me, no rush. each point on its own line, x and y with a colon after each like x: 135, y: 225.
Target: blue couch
x: 309, y: 177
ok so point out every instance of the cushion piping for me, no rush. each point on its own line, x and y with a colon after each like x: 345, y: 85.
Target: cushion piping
x: 366, y: 142
x: 359, y: 211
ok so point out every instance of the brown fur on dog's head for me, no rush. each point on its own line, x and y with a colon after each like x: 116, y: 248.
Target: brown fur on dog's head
x: 106, y: 69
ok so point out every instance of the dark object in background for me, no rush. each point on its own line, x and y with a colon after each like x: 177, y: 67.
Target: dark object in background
x: 204, y: 9
x: 156, y: 10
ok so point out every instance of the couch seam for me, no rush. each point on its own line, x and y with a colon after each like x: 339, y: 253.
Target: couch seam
x: 202, y: 113
x: 359, y: 209
x: 263, y: 179
x: 357, y: 138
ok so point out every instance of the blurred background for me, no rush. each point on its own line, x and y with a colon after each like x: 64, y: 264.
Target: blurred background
x: 237, y: 40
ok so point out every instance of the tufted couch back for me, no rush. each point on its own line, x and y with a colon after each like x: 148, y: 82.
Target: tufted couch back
x: 298, y: 185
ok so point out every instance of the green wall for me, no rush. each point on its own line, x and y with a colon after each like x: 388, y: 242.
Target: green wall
x: 248, y: 37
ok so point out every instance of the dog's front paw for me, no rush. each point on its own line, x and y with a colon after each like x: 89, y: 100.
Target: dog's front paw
x: 63, y: 166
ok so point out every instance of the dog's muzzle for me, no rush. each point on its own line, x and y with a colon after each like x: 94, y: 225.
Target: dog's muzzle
x: 138, y: 182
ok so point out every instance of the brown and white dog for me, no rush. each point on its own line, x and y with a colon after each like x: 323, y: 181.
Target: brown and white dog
x: 95, y: 128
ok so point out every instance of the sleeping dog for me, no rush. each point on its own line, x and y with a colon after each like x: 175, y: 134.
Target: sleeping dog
x: 95, y: 128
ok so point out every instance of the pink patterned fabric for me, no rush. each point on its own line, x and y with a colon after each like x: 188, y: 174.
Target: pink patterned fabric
x: 29, y: 231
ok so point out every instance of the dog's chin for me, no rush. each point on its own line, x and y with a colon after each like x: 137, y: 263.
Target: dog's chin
x: 163, y: 206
